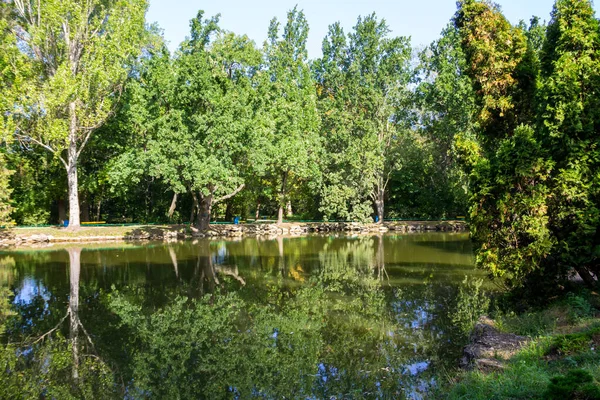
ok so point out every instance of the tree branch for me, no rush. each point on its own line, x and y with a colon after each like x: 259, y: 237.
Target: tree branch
x: 55, y: 328
x: 230, y: 195
x: 24, y: 138
x: 85, y: 140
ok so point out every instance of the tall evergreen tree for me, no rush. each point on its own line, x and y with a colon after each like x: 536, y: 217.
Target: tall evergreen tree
x: 569, y: 130
x: 508, y: 170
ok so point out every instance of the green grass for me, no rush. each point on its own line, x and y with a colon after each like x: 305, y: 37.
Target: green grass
x: 94, y: 231
x: 562, y: 361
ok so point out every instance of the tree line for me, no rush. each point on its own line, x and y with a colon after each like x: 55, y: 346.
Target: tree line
x: 102, y: 119
x: 495, y: 121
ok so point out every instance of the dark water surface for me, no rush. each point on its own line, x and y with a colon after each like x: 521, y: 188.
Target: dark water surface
x: 308, y: 317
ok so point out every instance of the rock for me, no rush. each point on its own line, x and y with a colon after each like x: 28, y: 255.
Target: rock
x: 38, y: 238
x: 488, y: 347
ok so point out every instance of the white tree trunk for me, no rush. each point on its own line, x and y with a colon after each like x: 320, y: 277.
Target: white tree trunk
x: 74, y: 221
x: 380, y: 199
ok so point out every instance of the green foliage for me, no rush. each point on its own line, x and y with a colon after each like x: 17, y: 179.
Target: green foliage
x: 509, y: 211
x: 272, y: 345
x: 534, y: 205
x: 570, y: 113
x: 48, y: 373
x: 37, y: 181
x: 10, y: 85
x: 78, y: 61
x: 575, y: 342
x: 74, y: 58
x: 532, y: 323
x: 579, y: 307
x: 526, y: 380
x: 5, y: 192
x: 494, y: 51
x: 5, y: 311
x: 576, y: 384
x: 432, y: 184
x: 195, y: 116
x: 508, y: 173
x: 292, y: 147
x: 362, y: 82
x: 472, y: 303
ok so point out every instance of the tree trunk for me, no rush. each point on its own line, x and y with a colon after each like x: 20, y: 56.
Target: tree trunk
x: 72, y: 170
x: 84, y: 208
x: 174, y: 260
x: 587, y: 277
x: 98, y: 210
x: 282, y: 198
x: 173, y: 206
x: 379, y: 200
x: 74, y: 272
x: 229, y: 211
x: 62, y: 211
x: 257, y: 213
x: 208, y: 272
x: 380, y: 258
x: 73, y: 195
x: 288, y: 209
x: 204, y: 212
x: 194, y: 207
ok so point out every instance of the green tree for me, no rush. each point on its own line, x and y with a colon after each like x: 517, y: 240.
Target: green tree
x: 494, y: 50
x: 77, y: 52
x: 196, y: 117
x: 5, y: 191
x: 506, y: 162
x: 363, y: 91
x: 569, y: 122
x: 432, y: 184
x: 292, y: 144
x: 10, y: 85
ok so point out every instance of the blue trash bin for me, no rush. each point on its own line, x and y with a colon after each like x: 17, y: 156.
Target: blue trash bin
x: 66, y: 223
x: 236, y: 220
x: 377, y: 218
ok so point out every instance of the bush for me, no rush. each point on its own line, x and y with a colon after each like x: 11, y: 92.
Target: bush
x: 576, y: 384
x: 473, y: 302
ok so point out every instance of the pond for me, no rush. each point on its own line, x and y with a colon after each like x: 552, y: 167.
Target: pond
x: 308, y: 317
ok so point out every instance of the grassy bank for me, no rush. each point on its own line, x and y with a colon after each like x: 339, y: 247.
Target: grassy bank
x: 562, y: 360
x: 19, y: 236
x: 87, y: 231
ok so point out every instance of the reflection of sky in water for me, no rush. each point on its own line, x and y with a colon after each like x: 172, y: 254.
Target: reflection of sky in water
x: 415, y: 368
x: 411, y: 314
x: 418, y: 388
x: 29, y: 289
x: 219, y: 257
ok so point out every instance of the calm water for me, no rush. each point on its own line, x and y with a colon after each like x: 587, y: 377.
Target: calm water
x: 309, y: 317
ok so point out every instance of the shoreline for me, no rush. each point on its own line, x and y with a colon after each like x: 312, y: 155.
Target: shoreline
x: 17, y: 237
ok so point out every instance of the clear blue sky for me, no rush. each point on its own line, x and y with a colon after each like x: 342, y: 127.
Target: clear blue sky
x: 423, y: 20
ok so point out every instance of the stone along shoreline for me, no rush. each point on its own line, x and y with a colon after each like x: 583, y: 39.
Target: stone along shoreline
x: 29, y: 236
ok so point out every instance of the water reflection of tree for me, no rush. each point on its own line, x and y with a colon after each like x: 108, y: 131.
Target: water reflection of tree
x: 268, y: 318
x: 333, y: 336
x: 48, y: 364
